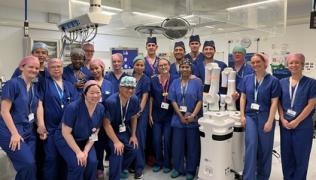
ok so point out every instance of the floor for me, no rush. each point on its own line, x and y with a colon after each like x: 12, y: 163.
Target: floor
x: 276, y: 173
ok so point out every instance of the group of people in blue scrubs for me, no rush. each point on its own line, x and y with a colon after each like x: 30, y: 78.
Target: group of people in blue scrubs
x: 78, y: 113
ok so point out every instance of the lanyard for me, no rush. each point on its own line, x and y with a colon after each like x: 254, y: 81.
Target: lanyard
x: 183, y: 92
x: 165, y: 88
x: 257, y: 85
x: 242, y: 71
x: 30, y: 101
x: 59, y: 91
x: 293, y: 95
x: 123, y: 116
x: 154, y: 65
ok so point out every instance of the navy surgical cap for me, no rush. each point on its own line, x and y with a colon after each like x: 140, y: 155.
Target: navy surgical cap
x: 151, y: 40
x: 209, y: 43
x: 195, y: 38
x: 179, y: 44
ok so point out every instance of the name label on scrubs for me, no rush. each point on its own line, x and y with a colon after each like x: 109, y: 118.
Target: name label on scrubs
x: 100, y: 99
x: 164, y: 105
x: 183, y: 109
x: 122, y: 128
x: 31, y: 117
x: 291, y: 112
x: 62, y: 106
x: 255, y: 106
x: 93, y: 137
x: 107, y: 92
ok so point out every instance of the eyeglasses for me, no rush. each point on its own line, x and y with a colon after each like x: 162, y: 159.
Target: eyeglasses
x: 163, y: 65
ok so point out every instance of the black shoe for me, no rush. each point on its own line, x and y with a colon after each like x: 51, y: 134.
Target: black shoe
x: 132, y: 171
x: 138, y: 175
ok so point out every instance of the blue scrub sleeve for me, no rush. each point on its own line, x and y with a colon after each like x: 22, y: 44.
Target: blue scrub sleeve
x: 200, y: 90
x: 69, y: 116
x: 9, y: 91
x: 312, y: 90
x: 146, y: 85
x: 276, y: 88
x: 107, y: 107
x: 172, y: 92
x: 135, y: 107
x: 242, y: 85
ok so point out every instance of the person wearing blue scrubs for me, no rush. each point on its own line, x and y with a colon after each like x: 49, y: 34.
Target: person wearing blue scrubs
x: 160, y: 114
x: 39, y: 50
x: 186, y: 95
x: 209, y: 52
x: 97, y: 70
x: 120, y: 123
x: 142, y: 93
x: 296, y: 109
x: 88, y: 49
x: 79, y: 129
x: 56, y: 95
x: 117, y: 74
x: 179, y: 52
x: 260, y: 92
x: 151, y: 60
x: 76, y: 72
x: 20, y: 108
x: 242, y: 68
x: 195, y: 56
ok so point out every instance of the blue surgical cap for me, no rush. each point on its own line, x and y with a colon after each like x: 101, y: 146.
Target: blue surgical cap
x: 179, y: 44
x: 128, y: 81
x: 139, y: 58
x: 151, y: 40
x: 195, y: 38
x: 39, y: 45
x: 239, y: 49
x: 209, y: 43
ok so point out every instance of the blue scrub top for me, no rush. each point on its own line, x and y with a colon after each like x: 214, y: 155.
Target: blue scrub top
x: 193, y: 94
x: 176, y: 74
x: 54, y: 98
x: 269, y: 88
x: 201, y: 68
x: 115, y: 82
x: 106, y: 89
x: 156, y: 91
x: 243, y: 71
x: 69, y: 75
x: 198, y: 59
x: 113, y: 111
x: 306, y: 90
x: 143, y: 86
x: 76, y: 116
x: 151, y: 70
x: 15, y: 91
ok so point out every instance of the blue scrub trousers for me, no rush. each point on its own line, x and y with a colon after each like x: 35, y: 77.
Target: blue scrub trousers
x: 119, y: 163
x: 162, y: 143
x: 54, y: 164
x: 259, y: 146
x: 141, y: 137
x: 24, y: 159
x: 76, y: 172
x: 296, y: 145
x: 186, y: 149
x: 101, y: 145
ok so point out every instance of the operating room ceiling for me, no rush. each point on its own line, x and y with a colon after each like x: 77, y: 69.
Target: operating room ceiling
x: 205, y: 16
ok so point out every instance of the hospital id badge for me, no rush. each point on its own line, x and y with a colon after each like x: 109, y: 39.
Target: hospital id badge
x: 94, y: 137
x: 255, y: 106
x: 183, y: 109
x: 291, y: 112
x: 122, y: 128
x: 164, y: 105
x: 31, y: 117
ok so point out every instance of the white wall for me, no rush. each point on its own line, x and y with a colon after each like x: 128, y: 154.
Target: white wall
x: 299, y: 39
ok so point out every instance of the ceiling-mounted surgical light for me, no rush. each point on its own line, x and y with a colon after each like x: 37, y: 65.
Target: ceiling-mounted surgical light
x: 251, y: 5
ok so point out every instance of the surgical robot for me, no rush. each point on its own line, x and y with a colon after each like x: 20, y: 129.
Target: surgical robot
x: 222, y: 135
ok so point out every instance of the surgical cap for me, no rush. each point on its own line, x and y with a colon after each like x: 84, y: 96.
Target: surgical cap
x: 88, y: 84
x: 209, y: 43
x: 52, y: 61
x: 39, y: 45
x: 187, y: 62
x: 128, y: 81
x: 29, y: 60
x: 98, y: 62
x: 179, y: 44
x: 195, y: 38
x: 298, y: 56
x: 239, y: 49
x: 151, y: 40
x: 139, y: 58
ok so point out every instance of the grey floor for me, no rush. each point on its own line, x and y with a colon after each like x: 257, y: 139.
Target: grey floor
x: 276, y: 173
